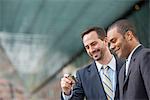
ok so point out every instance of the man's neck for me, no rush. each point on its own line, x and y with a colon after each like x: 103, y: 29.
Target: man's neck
x: 106, y: 59
x: 133, y: 46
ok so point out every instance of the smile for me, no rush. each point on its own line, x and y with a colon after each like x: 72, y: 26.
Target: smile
x: 116, y: 51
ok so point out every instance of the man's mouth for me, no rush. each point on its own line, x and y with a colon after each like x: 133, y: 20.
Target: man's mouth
x: 116, y: 51
x: 95, y: 52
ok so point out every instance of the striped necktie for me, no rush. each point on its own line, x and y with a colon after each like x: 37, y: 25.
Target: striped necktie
x: 107, y: 84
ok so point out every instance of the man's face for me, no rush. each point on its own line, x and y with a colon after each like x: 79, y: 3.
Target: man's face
x: 93, y: 45
x: 118, y: 43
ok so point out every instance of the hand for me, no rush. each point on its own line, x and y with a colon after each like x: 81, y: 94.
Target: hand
x: 67, y: 83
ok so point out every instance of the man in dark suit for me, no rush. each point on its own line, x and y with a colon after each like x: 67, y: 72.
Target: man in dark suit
x: 134, y: 81
x: 90, y: 79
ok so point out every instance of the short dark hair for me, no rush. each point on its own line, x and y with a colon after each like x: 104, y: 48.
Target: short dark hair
x: 123, y: 26
x: 100, y: 32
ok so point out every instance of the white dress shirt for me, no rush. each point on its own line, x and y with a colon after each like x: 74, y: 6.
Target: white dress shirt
x: 129, y: 58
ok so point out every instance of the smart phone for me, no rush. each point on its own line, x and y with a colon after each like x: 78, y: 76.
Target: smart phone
x: 71, y: 76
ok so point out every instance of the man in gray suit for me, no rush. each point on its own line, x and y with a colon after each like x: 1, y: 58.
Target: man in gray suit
x: 134, y: 81
x: 90, y: 79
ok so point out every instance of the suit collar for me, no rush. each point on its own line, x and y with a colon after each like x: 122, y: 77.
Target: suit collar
x: 133, y: 57
x: 136, y: 51
x: 130, y: 55
x: 96, y: 80
x: 93, y: 67
x: 94, y: 77
x: 119, y: 63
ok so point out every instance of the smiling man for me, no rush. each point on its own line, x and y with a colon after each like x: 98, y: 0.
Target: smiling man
x: 134, y: 83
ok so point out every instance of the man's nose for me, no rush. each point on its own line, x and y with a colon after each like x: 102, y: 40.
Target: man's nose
x: 92, y: 48
x: 111, y: 46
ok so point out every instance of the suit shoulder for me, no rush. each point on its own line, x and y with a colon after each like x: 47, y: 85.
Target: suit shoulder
x: 84, y: 68
x: 145, y: 52
x: 143, y: 58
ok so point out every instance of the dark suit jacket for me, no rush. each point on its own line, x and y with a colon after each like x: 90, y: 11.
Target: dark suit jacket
x: 136, y: 85
x: 89, y: 83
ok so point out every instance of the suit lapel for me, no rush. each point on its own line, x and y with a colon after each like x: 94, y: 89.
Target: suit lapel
x: 96, y: 81
x: 119, y: 64
x: 94, y: 77
x: 131, y: 63
x: 129, y: 71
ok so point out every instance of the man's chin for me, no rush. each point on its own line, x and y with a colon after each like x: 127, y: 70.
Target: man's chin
x: 97, y: 59
x: 120, y: 56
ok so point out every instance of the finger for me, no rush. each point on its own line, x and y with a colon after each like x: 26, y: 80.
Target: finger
x: 67, y: 80
x: 65, y: 84
x: 66, y: 75
x: 71, y: 79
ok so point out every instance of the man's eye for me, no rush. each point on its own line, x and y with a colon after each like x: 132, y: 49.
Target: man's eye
x: 113, y: 41
x: 86, y: 47
x: 93, y: 43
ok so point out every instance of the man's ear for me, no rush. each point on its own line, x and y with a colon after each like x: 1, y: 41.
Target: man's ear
x: 106, y: 39
x: 128, y: 35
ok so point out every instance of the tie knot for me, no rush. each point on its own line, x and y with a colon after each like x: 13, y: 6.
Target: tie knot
x: 105, y: 67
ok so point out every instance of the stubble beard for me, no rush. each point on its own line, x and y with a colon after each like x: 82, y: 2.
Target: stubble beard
x: 100, y: 57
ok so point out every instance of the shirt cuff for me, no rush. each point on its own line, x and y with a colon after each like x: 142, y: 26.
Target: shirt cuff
x: 67, y: 97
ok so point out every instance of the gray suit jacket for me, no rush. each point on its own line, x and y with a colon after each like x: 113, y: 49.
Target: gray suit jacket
x: 136, y: 85
x: 89, y: 84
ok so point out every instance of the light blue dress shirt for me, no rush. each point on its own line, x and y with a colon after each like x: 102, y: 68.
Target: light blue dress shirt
x: 111, y: 72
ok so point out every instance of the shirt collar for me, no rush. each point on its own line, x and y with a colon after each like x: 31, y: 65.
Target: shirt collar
x: 129, y: 57
x: 111, y: 64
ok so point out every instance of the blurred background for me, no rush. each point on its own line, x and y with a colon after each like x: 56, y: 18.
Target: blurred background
x: 40, y: 41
